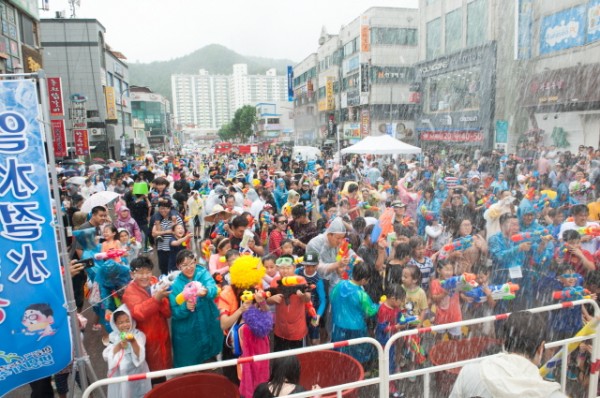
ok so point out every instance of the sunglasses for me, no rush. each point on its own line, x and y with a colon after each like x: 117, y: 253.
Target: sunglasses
x: 567, y: 276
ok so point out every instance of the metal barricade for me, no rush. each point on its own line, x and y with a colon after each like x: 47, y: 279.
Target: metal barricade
x: 426, y: 372
x: 338, y: 389
x: 383, y: 353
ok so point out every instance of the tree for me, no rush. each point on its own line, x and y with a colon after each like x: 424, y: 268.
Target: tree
x: 226, y: 132
x: 241, y: 127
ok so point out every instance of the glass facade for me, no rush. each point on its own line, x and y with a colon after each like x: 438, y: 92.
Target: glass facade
x: 394, y: 36
x: 434, y: 30
x: 453, y: 30
x: 152, y: 114
x: 453, y: 92
x: 476, y: 22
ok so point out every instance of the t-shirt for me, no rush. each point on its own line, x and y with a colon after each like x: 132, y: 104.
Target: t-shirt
x: 416, y: 301
x: 165, y: 225
x: 426, y: 268
x: 448, y: 308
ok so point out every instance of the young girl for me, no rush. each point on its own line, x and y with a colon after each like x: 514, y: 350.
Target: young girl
x: 272, y: 273
x: 393, y: 268
x: 254, y: 340
x: 179, y: 241
x: 447, y: 303
x: 415, y: 305
x: 417, y: 250
x: 126, y: 355
x: 130, y: 244
x: 217, y: 262
x: 111, y: 242
x: 287, y: 248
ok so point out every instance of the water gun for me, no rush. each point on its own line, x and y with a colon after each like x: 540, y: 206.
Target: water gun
x: 189, y: 293
x: 505, y: 291
x: 312, y: 313
x: 219, y: 230
x: 414, y: 346
x: 343, y: 251
x: 408, y: 319
x: 592, y: 230
x: 347, y: 274
x: 571, y: 293
x: 164, y: 282
x: 530, y: 194
x: 186, y: 243
x: 266, y: 218
x: 406, y: 221
x: 248, y: 296
x: 289, y: 234
x: 464, y: 282
x: 245, y: 243
x: 111, y: 254
x: 206, y: 252
x: 542, y: 203
x: 487, y: 201
x: 125, y: 336
x: 459, y: 244
x: 367, y: 206
x: 525, y: 236
x: 289, y: 285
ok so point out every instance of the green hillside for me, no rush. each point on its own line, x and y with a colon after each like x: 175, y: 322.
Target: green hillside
x: 215, y: 58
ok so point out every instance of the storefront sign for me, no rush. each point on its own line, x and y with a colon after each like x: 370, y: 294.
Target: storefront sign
x: 392, y: 74
x: 59, y: 138
x: 364, y: 78
x: 329, y: 94
x: 593, y: 21
x: 365, y: 122
x: 563, y: 30
x: 452, y: 136
x: 55, y: 96
x: 82, y: 145
x: 35, y: 336
x: 111, y: 104
x: 290, y: 82
x: 365, y: 40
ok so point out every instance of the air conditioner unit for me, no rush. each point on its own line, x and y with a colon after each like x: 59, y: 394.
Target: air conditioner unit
x: 96, y: 131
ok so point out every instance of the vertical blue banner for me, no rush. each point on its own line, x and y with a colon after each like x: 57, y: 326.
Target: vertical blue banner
x: 35, y: 336
x: 290, y: 78
x: 593, y: 21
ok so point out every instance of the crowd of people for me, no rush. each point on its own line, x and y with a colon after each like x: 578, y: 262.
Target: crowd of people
x: 265, y: 252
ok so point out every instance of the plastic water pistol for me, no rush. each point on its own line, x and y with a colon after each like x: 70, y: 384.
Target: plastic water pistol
x: 459, y: 244
x: 505, y: 291
x: 164, y: 282
x: 464, y: 282
x: 365, y: 205
x: 525, y: 236
x: 189, y: 293
x: 248, y: 296
x: 126, y: 336
x: 289, y: 234
x: 408, y: 319
x: 591, y: 230
x: 343, y: 251
x: 289, y: 285
x: 108, y: 255
x: 206, y: 252
x: 571, y: 293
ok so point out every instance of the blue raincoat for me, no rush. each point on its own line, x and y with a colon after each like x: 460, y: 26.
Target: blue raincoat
x: 429, y: 206
x: 280, y: 194
x: 563, y: 198
x: 197, y: 335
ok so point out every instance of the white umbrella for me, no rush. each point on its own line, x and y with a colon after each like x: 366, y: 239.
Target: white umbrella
x: 96, y: 167
x: 98, y: 199
x: 76, y: 180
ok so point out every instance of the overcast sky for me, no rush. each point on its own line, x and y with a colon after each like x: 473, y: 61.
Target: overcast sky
x: 157, y: 30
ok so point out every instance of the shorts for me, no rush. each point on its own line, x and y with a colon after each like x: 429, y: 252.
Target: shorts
x: 196, y: 221
x: 314, y: 332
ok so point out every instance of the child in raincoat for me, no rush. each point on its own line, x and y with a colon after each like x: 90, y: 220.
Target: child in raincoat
x: 126, y: 355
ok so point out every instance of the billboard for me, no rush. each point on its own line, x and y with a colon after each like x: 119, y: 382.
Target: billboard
x: 35, y: 335
x: 562, y: 30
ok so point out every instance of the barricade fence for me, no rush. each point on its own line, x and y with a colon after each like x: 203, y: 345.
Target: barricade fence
x: 383, y: 357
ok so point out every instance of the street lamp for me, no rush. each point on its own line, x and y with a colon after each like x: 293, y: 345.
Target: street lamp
x: 123, y: 150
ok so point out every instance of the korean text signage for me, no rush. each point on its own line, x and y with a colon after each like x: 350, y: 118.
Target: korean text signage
x: 34, y: 329
x: 452, y: 136
x: 329, y: 94
x: 365, y: 122
x: 111, y: 104
x: 55, y: 97
x: 563, y: 30
x: 82, y: 145
x: 59, y: 138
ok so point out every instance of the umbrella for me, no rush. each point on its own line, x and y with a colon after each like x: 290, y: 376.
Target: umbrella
x: 115, y: 164
x: 98, y: 199
x: 96, y: 167
x: 70, y: 173
x: 69, y: 161
x: 110, y: 160
x: 76, y: 180
x: 99, y: 160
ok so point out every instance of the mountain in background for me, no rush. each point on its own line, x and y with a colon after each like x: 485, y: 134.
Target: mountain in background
x: 215, y: 58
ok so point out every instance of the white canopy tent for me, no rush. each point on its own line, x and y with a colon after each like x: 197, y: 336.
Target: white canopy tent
x: 382, y: 145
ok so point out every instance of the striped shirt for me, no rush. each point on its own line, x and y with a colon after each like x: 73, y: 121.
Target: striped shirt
x: 165, y: 225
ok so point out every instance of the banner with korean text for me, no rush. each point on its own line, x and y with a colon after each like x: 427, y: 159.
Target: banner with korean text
x: 35, y: 336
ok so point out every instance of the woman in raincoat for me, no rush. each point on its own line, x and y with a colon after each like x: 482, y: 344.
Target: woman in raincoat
x: 280, y: 193
x: 195, y: 329
x: 126, y: 355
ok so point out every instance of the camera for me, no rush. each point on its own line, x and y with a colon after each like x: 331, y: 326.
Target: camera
x: 87, y: 262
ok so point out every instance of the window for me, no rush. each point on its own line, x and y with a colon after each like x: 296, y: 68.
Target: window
x: 434, y: 30
x: 476, y: 22
x: 453, y: 30
x: 28, y: 31
x: 454, y: 92
x: 394, y: 36
x: 351, y: 47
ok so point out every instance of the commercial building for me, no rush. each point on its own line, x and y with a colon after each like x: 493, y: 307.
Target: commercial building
x: 95, y: 83
x: 152, y: 120
x: 206, y: 102
x: 19, y: 37
x: 360, y: 79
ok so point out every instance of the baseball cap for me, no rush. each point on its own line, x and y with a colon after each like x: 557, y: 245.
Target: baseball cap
x: 311, y: 259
